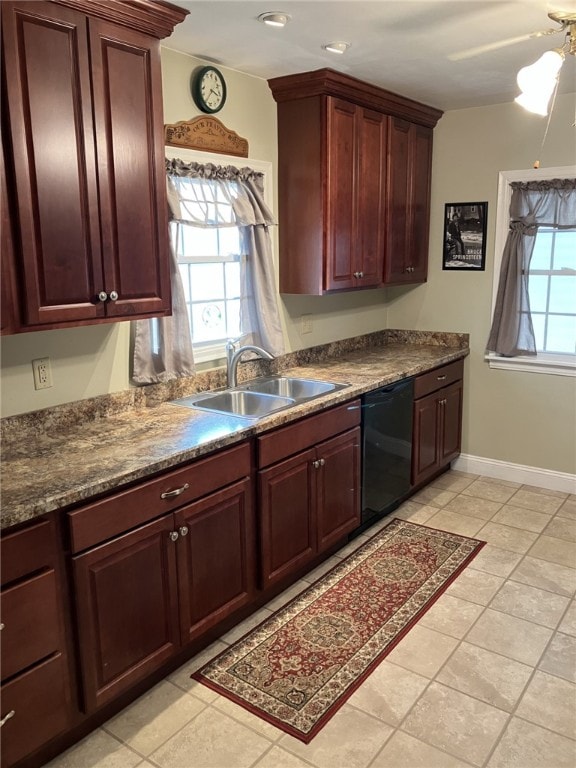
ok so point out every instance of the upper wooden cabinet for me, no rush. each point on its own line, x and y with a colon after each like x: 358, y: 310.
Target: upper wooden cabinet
x: 407, y: 202
x: 341, y: 183
x: 85, y: 158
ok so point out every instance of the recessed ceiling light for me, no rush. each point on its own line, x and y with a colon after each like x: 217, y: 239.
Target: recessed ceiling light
x: 339, y: 46
x: 274, y: 18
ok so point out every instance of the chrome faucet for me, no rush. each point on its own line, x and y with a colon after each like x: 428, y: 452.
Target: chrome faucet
x: 233, y: 356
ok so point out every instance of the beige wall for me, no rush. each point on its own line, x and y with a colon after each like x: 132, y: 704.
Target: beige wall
x: 523, y: 418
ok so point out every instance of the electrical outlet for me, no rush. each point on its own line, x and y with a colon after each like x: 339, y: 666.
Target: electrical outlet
x: 306, y: 324
x: 42, y: 373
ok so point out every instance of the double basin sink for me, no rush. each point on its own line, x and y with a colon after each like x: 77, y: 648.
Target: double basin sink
x: 260, y: 397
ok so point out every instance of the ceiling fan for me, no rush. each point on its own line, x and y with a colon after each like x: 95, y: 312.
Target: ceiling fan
x: 566, y: 20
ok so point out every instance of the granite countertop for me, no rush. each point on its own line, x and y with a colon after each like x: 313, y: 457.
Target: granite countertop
x: 52, y: 468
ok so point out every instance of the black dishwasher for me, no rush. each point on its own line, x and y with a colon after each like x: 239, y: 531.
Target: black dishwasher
x: 386, y: 449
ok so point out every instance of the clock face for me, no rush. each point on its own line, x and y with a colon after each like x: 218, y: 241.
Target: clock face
x: 210, y: 90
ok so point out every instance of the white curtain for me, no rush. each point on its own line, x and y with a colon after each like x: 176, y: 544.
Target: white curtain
x: 171, y: 356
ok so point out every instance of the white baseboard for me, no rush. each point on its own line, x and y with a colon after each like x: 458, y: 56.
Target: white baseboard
x: 517, y: 473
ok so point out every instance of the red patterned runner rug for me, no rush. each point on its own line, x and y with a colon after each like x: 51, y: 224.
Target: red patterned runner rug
x: 299, y: 666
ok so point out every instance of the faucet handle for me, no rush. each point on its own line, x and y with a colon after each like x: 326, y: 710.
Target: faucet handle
x: 231, y: 343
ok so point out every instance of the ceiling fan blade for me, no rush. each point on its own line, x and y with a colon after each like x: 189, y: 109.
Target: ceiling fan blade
x: 480, y: 49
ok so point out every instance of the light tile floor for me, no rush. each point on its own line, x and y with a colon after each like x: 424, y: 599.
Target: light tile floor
x: 487, y: 678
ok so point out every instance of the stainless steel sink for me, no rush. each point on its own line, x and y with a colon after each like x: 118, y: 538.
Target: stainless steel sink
x: 297, y: 389
x: 260, y: 397
x: 252, y: 405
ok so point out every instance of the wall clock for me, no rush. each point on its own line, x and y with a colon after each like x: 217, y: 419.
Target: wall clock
x: 209, y: 89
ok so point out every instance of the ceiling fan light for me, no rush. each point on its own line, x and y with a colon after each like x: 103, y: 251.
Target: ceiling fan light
x: 338, y: 46
x: 537, y: 81
x: 274, y: 18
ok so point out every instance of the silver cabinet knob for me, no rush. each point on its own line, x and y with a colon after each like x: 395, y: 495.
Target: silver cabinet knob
x: 173, y: 535
x: 183, y: 530
x: 113, y: 295
x: 7, y: 717
x: 2, y: 625
x: 103, y: 296
x: 322, y: 462
x: 315, y: 464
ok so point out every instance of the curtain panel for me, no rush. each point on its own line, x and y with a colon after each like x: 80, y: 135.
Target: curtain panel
x: 534, y: 204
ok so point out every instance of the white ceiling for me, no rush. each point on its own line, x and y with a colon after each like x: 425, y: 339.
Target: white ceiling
x: 404, y: 46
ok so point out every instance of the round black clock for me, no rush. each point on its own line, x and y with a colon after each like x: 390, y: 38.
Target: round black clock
x: 209, y: 89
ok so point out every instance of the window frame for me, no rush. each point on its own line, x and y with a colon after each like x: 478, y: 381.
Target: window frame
x: 206, y: 352
x: 544, y: 362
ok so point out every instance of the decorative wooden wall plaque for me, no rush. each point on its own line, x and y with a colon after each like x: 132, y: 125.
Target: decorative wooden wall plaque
x: 206, y: 133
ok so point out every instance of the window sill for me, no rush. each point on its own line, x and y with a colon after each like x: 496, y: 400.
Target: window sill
x: 211, y: 353
x: 553, y: 365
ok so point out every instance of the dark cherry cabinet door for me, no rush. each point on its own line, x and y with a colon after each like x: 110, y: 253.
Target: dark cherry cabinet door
x: 408, y: 202
x: 8, y: 297
x: 451, y: 422
x: 126, y: 600
x: 338, y: 488
x: 287, y: 516
x: 127, y: 88
x: 425, y: 447
x: 341, y: 187
x: 370, y: 188
x: 397, y: 194
x: 216, y: 557
x: 420, y: 174
x: 356, y: 152
x: 48, y: 92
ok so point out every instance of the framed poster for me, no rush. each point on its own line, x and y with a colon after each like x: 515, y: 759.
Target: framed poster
x: 464, y: 236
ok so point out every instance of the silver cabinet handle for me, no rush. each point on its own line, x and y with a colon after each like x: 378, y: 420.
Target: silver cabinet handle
x: 7, y: 717
x: 2, y: 625
x: 173, y: 535
x: 322, y: 462
x: 102, y: 296
x: 316, y: 464
x: 183, y: 530
x: 358, y: 274
x: 175, y: 492
x: 441, y: 378
x: 113, y: 295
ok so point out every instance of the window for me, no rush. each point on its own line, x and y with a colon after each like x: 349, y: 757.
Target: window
x: 213, y: 253
x: 551, y: 284
x: 552, y: 291
x: 209, y: 261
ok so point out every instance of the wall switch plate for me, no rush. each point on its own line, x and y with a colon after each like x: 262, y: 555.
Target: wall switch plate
x: 42, y: 373
x: 306, y: 324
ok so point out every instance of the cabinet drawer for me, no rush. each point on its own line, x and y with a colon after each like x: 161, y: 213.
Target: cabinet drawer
x: 287, y: 441
x: 95, y: 523
x: 27, y: 550
x: 30, y: 618
x: 438, y: 378
x: 38, y: 700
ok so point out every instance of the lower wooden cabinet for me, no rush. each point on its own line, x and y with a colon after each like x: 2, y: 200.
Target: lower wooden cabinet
x: 309, y: 495
x: 126, y: 603
x: 216, y: 558
x: 36, y: 696
x: 143, y: 595
x: 437, y: 420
